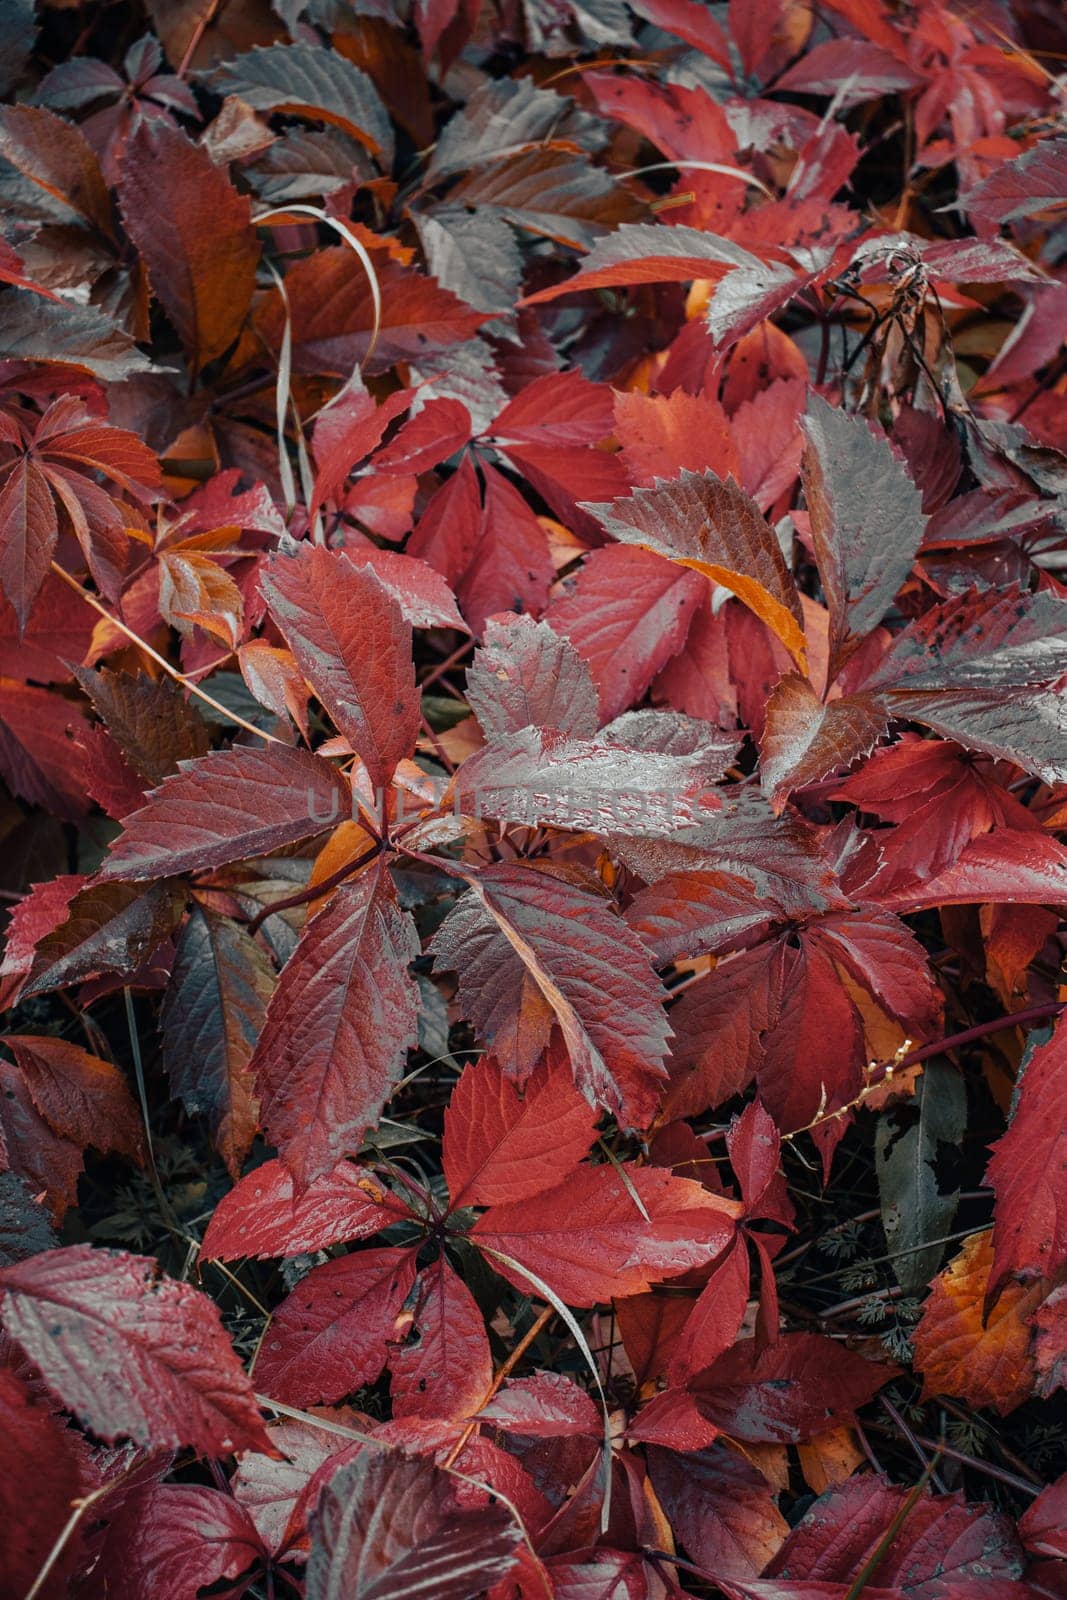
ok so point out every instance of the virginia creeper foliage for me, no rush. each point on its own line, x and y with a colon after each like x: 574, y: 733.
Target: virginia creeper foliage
x: 533, y: 776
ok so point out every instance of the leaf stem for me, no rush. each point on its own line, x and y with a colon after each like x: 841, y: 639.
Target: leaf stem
x: 312, y: 890
x: 503, y: 1373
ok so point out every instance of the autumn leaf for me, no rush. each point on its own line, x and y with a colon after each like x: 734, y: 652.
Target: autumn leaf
x: 963, y: 1347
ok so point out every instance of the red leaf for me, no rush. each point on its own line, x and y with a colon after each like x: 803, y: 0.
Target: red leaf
x: 228, y: 806
x: 389, y: 1528
x: 627, y: 614
x: 941, y: 1544
x: 721, y: 1506
x: 715, y: 1319
x: 531, y: 950
x: 338, y: 1026
x: 56, y: 635
x: 424, y: 598
x: 618, y: 1250
x: 510, y: 569
x: 333, y: 314
x: 37, y: 1448
x: 354, y: 647
x: 1029, y: 1173
x: 717, y: 1025
x: 28, y: 534
x: 806, y: 740
x: 548, y: 1405
x: 262, y: 1216
x: 813, y: 1055
x: 711, y: 525
x: 174, y: 1539
x: 851, y: 69
x: 131, y: 1353
x: 800, y: 1387
x: 40, y: 758
x: 502, y: 1145
x: 195, y: 234
x: 662, y: 435
x: 329, y: 1336
x: 444, y: 1369
x: 82, y: 1098
x: 1043, y: 1525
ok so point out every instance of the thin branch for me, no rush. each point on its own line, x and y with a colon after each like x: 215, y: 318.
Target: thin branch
x: 161, y: 661
x: 499, y: 1378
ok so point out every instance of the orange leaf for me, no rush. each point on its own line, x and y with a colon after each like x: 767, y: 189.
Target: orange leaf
x: 986, y: 1362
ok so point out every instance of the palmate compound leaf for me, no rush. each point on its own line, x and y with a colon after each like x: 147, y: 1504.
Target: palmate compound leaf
x: 229, y: 805
x: 390, y: 1528
x: 638, y: 1225
x: 866, y: 518
x: 330, y: 1335
x: 537, y: 777
x: 353, y: 646
x: 212, y: 1014
x: 1028, y: 1171
x: 710, y: 524
x: 194, y: 233
x: 338, y: 1026
x: 966, y: 1348
x: 132, y: 1354
x: 263, y: 1216
x: 504, y: 1144
x: 533, y: 949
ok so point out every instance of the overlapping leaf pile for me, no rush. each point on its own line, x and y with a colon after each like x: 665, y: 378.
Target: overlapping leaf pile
x: 535, y: 755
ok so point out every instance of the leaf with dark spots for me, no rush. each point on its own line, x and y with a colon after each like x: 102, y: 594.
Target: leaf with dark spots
x: 329, y: 1337
x: 801, y: 1386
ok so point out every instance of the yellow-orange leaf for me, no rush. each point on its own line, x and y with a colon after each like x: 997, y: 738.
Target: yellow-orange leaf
x: 984, y: 1361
